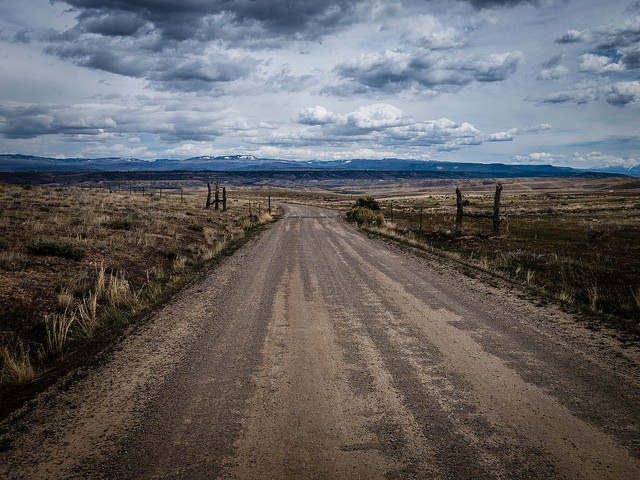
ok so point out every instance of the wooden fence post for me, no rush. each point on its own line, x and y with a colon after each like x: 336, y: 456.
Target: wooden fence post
x: 224, y: 199
x: 495, y: 215
x: 208, y: 195
x: 217, y: 199
x: 459, y: 212
x: 496, y: 210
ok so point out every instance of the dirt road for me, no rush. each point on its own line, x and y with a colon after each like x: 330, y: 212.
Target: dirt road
x: 315, y: 352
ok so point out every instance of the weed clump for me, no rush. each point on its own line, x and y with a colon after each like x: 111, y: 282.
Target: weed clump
x: 17, y: 369
x: 196, y: 227
x: 48, y: 246
x: 119, y: 224
x: 361, y: 215
x: 368, y: 202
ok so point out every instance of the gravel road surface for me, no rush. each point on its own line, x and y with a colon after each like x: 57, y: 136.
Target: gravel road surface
x: 317, y: 353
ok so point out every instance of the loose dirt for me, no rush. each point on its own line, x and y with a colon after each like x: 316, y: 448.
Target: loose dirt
x: 315, y: 352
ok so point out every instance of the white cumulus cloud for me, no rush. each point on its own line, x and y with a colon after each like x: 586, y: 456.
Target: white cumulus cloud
x: 316, y: 115
x: 379, y: 115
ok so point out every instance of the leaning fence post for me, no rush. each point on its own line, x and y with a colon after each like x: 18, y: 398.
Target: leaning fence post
x: 459, y: 212
x: 496, y: 210
x: 208, y: 194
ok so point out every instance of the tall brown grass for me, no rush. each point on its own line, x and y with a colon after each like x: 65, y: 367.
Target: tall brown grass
x: 96, y: 258
x: 581, y: 250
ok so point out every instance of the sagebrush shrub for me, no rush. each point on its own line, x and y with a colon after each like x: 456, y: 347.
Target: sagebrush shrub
x: 368, y: 202
x: 48, y: 246
x: 361, y: 215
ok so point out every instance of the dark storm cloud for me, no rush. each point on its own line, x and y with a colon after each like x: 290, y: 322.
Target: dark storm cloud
x: 111, y: 24
x: 103, y: 54
x: 621, y: 42
x: 619, y: 36
x: 618, y: 94
x: 30, y: 121
x: 195, y: 75
x: 185, y: 19
x: 612, y: 44
x: 182, y: 45
x: 135, y: 37
x: 392, y: 71
x: 23, y: 36
x: 609, y: 63
x: 631, y: 59
x: 623, y: 93
x: 572, y: 36
x: 186, y: 69
x: 93, y: 121
x: 500, y: 3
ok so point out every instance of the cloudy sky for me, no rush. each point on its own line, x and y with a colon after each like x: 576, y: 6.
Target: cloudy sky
x: 513, y: 81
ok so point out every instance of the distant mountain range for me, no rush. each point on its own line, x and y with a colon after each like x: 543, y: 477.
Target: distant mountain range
x: 237, y: 163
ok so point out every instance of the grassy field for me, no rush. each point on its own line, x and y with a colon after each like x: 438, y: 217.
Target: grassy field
x: 580, y: 248
x: 77, y: 265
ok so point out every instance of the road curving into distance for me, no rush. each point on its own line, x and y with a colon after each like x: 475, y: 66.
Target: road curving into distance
x: 317, y: 353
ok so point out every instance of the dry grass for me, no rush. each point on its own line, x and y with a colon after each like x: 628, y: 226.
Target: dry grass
x: 17, y: 369
x: 58, y: 326
x: 72, y: 260
x: 88, y: 321
x: 581, y: 248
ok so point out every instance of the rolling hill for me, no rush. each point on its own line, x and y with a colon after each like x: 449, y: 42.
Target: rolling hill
x: 249, y: 163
